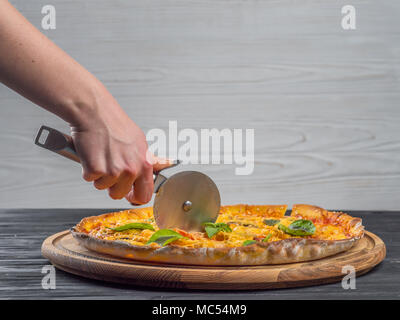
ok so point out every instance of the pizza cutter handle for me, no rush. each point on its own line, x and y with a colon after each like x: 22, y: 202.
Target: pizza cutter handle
x: 61, y: 143
x: 58, y: 142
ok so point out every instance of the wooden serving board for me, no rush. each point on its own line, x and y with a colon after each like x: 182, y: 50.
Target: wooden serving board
x: 66, y: 254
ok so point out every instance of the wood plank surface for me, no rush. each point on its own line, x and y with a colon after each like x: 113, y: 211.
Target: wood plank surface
x: 23, y: 231
x: 324, y: 102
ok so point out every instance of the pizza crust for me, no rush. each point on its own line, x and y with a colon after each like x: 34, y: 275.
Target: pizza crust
x: 276, y: 252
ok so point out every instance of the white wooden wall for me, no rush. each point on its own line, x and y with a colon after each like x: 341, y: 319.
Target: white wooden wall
x: 324, y: 102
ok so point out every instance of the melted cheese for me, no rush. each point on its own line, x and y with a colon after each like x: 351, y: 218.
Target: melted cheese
x: 246, y: 222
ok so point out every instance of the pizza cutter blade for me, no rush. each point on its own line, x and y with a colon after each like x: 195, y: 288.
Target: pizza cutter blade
x: 186, y: 201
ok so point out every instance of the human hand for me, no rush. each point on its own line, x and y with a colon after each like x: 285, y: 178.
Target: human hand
x: 114, y: 153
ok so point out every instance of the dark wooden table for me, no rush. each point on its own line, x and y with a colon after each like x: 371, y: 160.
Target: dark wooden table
x: 21, y: 263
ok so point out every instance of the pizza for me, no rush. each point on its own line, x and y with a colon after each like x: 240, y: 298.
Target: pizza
x: 242, y: 235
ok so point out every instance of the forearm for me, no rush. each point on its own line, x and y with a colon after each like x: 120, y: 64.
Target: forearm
x: 36, y: 68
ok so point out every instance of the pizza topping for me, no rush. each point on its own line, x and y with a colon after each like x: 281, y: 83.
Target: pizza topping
x: 271, y: 222
x: 213, y: 228
x: 263, y: 238
x: 164, y: 236
x: 185, y: 233
x: 300, y: 227
x: 267, y: 237
x: 238, y: 223
x: 135, y: 225
x: 249, y: 242
x: 232, y: 228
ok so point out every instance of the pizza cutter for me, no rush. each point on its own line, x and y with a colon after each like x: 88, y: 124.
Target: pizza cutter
x: 185, y: 200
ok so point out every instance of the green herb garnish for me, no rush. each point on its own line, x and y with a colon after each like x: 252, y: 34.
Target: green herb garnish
x: 135, y: 225
x: 267, y: 237
x: 213, y: 228
x: 248, y: 242
x: 271, y: 222
x: 164, y: 237
x: 299, y: 228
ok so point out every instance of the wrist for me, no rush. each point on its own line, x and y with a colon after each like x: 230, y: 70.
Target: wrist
x: 85, y: 110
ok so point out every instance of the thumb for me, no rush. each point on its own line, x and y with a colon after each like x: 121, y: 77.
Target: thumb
x: 160, y: 163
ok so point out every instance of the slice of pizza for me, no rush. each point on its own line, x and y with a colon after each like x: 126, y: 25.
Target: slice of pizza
x: 242, y: 235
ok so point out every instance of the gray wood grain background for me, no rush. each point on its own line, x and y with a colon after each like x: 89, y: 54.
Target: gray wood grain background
x: 324, y: 102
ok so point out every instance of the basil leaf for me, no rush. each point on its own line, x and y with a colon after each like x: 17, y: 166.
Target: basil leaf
x: 211, y: 231
x: 271, y: 222
x: 135, y: 225
x: 300, y: 227
x: 248, y: 242
x: 219, y: 225
x: 213, y: 228
x: 164, y: 237
x: 267, y: 237
x: 304, y: 226
x: 224, y: 227
x: 163, y: 241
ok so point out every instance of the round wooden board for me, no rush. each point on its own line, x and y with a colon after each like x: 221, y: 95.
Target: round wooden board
x: 66, y: 254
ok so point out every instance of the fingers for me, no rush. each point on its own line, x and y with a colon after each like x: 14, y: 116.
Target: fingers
x: 93, y: 166
x: 90, y: 176
x: 159, y: 163
x: 114, y: 157
x: 143, y: 188
x: 119, y: 182
x: 105, y: 182
x: 142, y: 191
x: 92, y: 169
x: 123, y: 185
